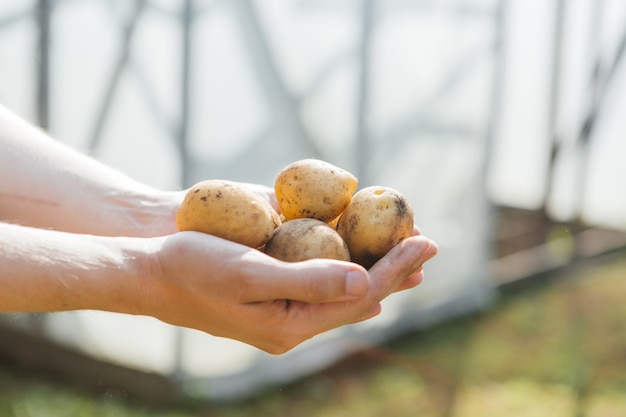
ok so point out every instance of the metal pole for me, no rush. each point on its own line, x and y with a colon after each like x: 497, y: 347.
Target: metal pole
x: 116, y: 76
x: 185, y: 91
x: 286, y: 106
x: 588, y: 124
x: 553, y: 136
x: 37, y: 322
x: 186, y: 21
x: 43, y: 70
x: 601, y: 81
x: 495, y: 105
x: 363, y: 144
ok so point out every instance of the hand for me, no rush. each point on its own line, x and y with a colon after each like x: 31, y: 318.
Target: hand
x: 229, y: 290
x: 267, y: 193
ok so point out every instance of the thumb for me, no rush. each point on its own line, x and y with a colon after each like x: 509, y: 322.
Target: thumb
x: 313, y: 281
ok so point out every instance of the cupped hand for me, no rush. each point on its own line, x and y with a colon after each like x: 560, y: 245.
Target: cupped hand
x: 229, y: 290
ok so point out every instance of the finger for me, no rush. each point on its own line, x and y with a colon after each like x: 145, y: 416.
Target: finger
x: 329, y: 316
x: 313, y: 281
x: 378, y: 308
x: 411, y: 282
x: 388, y: 274
x: 416, y: 230
x: 400, y: 263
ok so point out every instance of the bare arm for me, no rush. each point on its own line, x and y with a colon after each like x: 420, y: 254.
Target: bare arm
x: 199, y: 281
x: 44, y: 183
x: 89, y: 237
x: 44, y: 270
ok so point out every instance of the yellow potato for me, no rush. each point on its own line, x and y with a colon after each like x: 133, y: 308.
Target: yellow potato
x: 311, y: 188
x: 333, y: 222
x: 228, y: 210
x: 302, y: 239
x: 377, y: 219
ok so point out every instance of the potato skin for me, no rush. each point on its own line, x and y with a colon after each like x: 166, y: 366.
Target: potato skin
x: 302, y: 239
x: 377, y: 219
x: 311, y: 188
x: 228, y: 210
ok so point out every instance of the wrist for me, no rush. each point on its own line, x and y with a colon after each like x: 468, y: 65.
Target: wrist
x: 148, y: 213
x: 126, y: 285
x: 144, y: 214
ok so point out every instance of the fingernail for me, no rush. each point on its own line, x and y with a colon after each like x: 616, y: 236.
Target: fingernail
x: 357, y: 283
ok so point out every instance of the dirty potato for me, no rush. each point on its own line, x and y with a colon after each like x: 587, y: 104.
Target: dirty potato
x: 302, y: 239
x: 311, y: 188
x: 376, y: 220
x: 228, y: 210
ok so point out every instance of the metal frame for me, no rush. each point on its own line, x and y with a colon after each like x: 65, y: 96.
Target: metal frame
x: 274, y: 86
x: 286, y: 102
x: 600, y: 82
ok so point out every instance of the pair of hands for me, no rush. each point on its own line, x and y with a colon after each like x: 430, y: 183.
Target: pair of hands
x: 102, y: 240
x: 232, y: 291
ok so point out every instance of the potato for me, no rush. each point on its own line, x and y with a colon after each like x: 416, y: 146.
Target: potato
x: 314, y: 189
x: 376, y: 220
x: 228, y: 210
x: 333, y: 222
x: 302, y: 239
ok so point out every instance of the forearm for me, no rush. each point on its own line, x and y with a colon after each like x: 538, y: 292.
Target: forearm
x: 44, y: 270
x: 44, y: 183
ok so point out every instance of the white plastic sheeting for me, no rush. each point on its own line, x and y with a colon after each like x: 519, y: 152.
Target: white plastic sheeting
x: 405, y: 101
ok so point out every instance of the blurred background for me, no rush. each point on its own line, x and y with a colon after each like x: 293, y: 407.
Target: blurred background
x: 500, y: 120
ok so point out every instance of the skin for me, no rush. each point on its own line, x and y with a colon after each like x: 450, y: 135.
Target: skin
x: 76, y: 234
